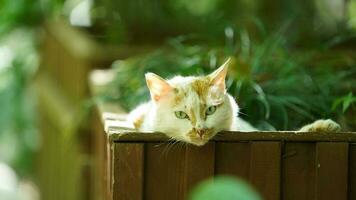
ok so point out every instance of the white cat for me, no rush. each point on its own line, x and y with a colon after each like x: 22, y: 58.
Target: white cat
x: 193, y: 109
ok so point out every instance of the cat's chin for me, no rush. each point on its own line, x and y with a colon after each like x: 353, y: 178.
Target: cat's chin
x: 197, y: 142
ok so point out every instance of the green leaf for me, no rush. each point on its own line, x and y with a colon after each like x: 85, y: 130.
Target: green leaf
x: 350, y: 99
x: 262, y: 97
x: 345, y: 101
x: 224, y: 188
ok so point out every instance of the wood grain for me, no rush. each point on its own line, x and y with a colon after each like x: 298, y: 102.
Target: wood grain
x: 199, y: 165
x: 164, y: 172
x: 352, y: 172
x: 122, y: 136
x: 233, y: 159
x: 331, y: 170
x: 265, y: 162
x: 298, y: 169
x: 127, y: 171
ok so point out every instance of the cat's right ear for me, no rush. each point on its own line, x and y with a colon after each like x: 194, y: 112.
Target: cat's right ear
x: 157, y: 85
x: 217, y: 78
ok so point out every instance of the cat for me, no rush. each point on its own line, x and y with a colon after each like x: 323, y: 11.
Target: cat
x: 194, y: 109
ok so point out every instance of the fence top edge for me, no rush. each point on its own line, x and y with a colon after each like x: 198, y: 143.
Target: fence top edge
x: 233, y: 136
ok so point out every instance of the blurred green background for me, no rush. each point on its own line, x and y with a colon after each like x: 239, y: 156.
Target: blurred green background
x: 293, y: 61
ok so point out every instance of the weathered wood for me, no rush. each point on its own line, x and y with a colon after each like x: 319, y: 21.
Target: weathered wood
x: 352, y: 172
x: 331, y: 170
x: 100, y: 187
x: 254, y: 156
x: 233, y: 159
x: 164, y: 171
x: 67, y: 57
x: 78, y: 43
x: 59, y: 153
x: 298, y: 169
x: 229, y: 136
x: 128, y: 165
x: 109, y: 171
x: 199, y: 165
x: 265, y: 162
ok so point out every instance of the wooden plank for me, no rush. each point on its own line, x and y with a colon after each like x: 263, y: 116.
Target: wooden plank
x: 164, y: 171
x: 199, y: 165
x: 118, y: 135
x: 233, y: 159
x: 298, y: 169
x: 100, y: 187
x: 127, y: 171
x: 331, y: 170
x: 79, y: 44
x: 352, y: 172
x: 109, y: 170
x: 265, y: 167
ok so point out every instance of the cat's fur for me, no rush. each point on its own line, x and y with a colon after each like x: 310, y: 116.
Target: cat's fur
x: 193, y: 96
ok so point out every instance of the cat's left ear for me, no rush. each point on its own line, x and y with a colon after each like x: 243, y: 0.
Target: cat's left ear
x: 217, y: 78
x: 157, y: 85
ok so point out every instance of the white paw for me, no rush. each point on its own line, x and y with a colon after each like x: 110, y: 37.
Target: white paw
x: 327, y: 125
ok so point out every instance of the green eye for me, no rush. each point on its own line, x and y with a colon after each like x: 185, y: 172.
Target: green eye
x: 181, y: 115
x: 210, y: 110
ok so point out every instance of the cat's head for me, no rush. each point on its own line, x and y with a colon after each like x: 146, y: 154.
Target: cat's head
x: 192, y: 109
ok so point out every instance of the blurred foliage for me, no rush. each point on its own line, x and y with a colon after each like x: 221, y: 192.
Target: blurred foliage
x: 18, y: 63
x: 346, y: 102
x: 352, y: 14
x: 18, y: 13
x: 18, y: 136
x: 27, y: 13
x: 276, y: 86
x: 143, y: 21
x: 277, y: 83
x: 224, y: 188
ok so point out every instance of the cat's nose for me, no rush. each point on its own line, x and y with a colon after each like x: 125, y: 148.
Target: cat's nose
x: 201, y: 132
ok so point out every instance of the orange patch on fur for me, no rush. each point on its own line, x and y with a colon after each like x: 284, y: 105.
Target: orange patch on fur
x: 138, y: 122
x: 179, y: 95
x: 201, y: 86
x: 193, y: 118
x: 203, y: 110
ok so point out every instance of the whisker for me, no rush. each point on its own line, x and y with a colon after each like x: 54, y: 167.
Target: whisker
x: 178, y: 144
x: 171, y: 144
x: 164, y: 149
x: 167, y: 146
x: 242, y: 113
x: 182, y: 144
x: 171, y: 147
x: 159, y: 144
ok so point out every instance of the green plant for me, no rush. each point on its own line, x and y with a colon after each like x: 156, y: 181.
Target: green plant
x: 18, y: 136
x: 224, y: 188
x: 346, y: 102
x: 276, y: 87
x: 18, y: 64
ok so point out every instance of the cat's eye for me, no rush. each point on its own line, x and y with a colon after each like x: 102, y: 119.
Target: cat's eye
x: 210, y: 110
x: 181, y: 115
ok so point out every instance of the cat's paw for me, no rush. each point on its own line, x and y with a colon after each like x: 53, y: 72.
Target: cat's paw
x: 322, y: 125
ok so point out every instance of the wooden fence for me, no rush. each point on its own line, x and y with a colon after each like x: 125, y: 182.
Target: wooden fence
x: 280, y: 165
